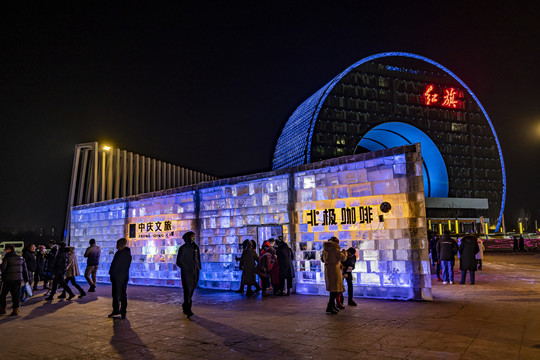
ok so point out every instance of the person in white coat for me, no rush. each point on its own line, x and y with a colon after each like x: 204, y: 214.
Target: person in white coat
x: 72, y: 270
x: 480, y: 254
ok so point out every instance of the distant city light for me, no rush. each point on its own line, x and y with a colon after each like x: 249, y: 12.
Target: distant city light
x: 106, y: 148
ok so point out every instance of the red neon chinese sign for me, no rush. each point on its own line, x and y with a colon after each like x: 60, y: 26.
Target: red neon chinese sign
x: 450, y: 97
x: 430, y: 97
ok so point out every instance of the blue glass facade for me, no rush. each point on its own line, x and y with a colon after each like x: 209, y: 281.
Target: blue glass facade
x: 390, y: 87
x: 291, y: 149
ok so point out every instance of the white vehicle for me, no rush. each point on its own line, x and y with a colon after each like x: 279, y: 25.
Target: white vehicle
x: 18, y: 245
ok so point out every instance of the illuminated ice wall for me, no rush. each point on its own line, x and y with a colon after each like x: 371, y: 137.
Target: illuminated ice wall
x: 104, y: 222
x: 246, y: 208
x: 153, y: 223
x: 306, y: 204
x: 342, y: 197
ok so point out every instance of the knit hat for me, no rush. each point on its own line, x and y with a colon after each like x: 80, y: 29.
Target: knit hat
x: 187, y: 236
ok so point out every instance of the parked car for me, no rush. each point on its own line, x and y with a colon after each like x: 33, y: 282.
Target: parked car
x: 18, y: 245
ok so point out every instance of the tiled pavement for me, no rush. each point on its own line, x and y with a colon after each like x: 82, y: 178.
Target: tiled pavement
x: 497, y: 318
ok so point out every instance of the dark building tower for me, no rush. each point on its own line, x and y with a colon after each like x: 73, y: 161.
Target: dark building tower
x: 394, y: 99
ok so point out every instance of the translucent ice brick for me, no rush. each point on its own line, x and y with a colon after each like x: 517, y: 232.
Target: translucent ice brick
x: 371, y: 255
x: 360, y: 190
x: 370, y: 279
x: 385, y: 187
x: 348, y: 177
x: 308, y: 182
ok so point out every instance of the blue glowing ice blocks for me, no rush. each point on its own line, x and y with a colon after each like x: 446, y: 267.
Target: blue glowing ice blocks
x: 308, y: 204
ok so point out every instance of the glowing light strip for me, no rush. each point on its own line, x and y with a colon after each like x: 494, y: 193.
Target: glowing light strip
x: 328, y: 87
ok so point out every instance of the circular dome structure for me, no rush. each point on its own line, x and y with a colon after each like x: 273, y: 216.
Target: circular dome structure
x: 396, y: 98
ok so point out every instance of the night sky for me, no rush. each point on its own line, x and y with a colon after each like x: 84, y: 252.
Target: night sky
x: 210, y: 85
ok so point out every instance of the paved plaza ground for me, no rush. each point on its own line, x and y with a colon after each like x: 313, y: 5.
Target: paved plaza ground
x: 497, y: 318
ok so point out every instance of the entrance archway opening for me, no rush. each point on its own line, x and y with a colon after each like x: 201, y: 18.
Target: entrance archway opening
x: 392, y: 134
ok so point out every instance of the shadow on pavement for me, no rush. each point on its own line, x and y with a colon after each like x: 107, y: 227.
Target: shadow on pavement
x: 127, y: 342
x: 23, y: 305
x: 30, y: 301
x: 124, y: 337
x: 85, y: 299
x: 46, y: 308
x: 241, y: 341
x: 6, y: 318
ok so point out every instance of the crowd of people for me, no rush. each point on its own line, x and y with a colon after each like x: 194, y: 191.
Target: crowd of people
x: 443, y: 252
x: 273, y: 263
x: 57, y: 267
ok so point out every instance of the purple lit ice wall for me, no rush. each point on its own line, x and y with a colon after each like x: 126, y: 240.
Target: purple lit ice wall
x: 153, y: 224
x: 306, y: 205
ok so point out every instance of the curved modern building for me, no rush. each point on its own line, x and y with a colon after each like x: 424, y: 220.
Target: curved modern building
x: 393, y: 99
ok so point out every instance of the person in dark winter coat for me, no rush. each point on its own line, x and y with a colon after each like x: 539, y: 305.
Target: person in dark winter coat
x: 468, y: 250
x: 48, y: 268
x: 248, y: 263
x: 40, y: 264
x: 92, y: 254
x: 516, y: 244
x: 285, y: 259
x: 521, y: 244
x: 29, y: 255
x: 433, y: 240
x: 119, y: 274
x: 348, y: 267
x: 59, y: 270
x: 446, y: 251
x: 189, y: 262
x: 240, y: 267
x: 14, y: 271
x: 266, y: 263
x: 254, y: 247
